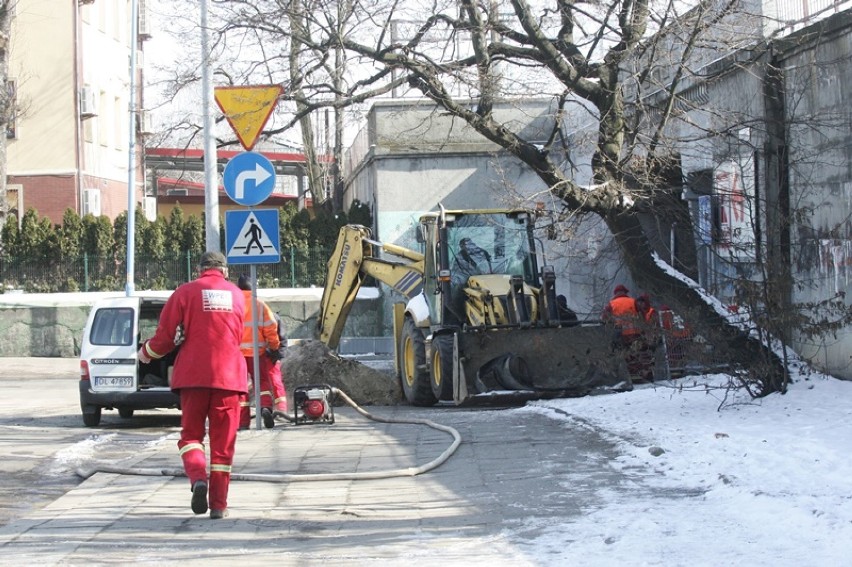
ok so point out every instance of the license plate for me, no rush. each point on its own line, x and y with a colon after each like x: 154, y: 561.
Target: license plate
x: 114, y: 381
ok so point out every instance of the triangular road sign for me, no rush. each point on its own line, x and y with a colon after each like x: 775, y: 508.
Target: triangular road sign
x: 247, y: 109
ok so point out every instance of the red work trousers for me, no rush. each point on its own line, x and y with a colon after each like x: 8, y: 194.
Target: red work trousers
x: 221, y: 409
x: 278, y: 390
x: 266, y: 388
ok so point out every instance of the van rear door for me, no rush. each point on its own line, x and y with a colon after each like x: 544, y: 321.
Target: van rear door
x: 110, y: 346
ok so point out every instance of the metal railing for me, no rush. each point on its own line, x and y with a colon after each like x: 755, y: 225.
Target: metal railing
x: 297, y: 268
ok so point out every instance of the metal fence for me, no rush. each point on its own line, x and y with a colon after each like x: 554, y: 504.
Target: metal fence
x: 297, y: 268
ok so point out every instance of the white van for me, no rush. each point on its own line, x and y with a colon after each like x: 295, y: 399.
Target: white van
x: 111, y: 377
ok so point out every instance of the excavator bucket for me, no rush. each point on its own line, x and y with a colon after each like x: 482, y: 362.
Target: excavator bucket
x: 538, y: 362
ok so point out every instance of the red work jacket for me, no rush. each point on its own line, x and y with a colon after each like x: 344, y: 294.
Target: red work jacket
x: 211, y: 310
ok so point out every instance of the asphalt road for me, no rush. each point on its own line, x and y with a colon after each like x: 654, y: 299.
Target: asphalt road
x: 42, y: 437
x: 515, y: 470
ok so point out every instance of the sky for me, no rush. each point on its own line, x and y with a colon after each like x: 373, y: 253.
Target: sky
x: 772, y: 476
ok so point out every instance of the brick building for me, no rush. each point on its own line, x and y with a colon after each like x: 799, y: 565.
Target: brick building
x: 68, y: 144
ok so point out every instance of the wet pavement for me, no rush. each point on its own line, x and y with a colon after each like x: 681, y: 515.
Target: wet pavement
x: 514, y: 474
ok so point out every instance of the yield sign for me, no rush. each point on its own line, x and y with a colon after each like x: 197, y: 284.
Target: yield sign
x: 247, y: 109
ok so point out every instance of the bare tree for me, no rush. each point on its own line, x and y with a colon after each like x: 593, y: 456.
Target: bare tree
x: 603, y: 54
x: 636, y: 68
x: 263, y: 42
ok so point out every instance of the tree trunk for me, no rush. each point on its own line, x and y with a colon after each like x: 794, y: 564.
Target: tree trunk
x: 739, y: 348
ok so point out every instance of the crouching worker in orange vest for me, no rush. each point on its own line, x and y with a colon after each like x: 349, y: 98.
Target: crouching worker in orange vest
x: 677, y: 335
x: 267, y: 337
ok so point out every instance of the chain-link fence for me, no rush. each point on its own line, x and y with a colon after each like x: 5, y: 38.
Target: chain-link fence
x: 297, y: 268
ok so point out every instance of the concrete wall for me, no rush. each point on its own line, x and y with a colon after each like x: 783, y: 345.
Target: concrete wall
x: 817, y: 77
x: 51, y: 325
x: 786, y: 120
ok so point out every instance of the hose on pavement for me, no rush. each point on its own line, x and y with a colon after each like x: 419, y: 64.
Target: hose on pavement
x: 286, y: 477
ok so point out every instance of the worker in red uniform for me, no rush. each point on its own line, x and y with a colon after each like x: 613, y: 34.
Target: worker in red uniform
x: 267, y: 338
x: 205, y: 317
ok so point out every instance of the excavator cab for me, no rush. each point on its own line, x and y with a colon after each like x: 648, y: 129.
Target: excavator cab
x: 478, y: 254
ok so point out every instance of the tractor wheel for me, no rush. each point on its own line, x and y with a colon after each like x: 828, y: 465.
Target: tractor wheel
x: 442, y: 367
x: 415, y: 379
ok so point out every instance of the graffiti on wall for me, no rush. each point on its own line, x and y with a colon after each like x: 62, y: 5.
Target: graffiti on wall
x: 733, y: 185
x: 826, y: 257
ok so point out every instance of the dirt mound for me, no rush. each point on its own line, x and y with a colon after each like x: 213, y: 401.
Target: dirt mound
x: 311, y: 362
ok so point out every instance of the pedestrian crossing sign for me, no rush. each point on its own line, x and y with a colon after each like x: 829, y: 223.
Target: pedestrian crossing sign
x: 251, y: 236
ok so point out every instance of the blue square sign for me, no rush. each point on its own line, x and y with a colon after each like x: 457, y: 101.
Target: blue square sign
x: 251, y: 236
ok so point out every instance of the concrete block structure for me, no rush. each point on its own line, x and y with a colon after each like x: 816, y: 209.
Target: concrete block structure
x: 410, y: 158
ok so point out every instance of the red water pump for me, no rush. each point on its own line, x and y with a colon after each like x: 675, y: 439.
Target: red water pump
x: 313, y: 404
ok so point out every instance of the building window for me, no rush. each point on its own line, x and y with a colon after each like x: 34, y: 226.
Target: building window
x: 89, y: 131
x: 118, y: 22
x: 86, y: 12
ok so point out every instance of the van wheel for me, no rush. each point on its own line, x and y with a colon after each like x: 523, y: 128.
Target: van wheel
x: 92, y: 418
x: 415, y: 380
x: 126, y: 413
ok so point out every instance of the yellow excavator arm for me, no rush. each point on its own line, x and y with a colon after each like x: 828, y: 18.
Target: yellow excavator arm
x: 351, y: 262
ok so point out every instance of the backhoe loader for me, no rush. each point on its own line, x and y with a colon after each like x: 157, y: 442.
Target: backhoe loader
x: 477, y: 320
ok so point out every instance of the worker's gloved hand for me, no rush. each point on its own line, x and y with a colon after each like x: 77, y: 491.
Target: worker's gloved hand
x: 143, y: 356
x: 273, y: 354
x: 179, y: 335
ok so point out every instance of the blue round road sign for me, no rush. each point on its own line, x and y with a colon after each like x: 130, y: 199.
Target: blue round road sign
x: 249, y: 178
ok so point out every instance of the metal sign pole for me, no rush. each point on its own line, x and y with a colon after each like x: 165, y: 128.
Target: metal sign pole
x: 129, y: 285
x: 255, y: 317
x: 211, y: 167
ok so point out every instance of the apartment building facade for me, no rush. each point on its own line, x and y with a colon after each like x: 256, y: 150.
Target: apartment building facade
x: 68, y: 147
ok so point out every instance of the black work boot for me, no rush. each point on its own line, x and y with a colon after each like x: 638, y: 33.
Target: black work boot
x: 268, y: 418
x: 199, y: 497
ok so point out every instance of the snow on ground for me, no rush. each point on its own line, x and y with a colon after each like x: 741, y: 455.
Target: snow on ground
x: 770, y: 479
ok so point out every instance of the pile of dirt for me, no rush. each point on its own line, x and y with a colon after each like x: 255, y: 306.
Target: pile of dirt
x: 311, y: 362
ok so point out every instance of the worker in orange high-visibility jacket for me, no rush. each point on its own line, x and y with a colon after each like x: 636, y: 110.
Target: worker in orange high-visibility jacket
x: 267, y: 337
x: 621, y: 313
x: 205, y: 319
